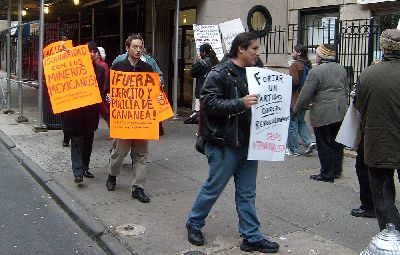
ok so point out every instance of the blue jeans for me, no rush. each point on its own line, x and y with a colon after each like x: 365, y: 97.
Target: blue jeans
x: 224, y: 163
x: 297, y: 125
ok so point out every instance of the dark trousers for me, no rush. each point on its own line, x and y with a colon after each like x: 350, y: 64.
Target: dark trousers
x: 384, y: 196
x: 363, y: 179
x: 330, y: 153
x: 81, y: 149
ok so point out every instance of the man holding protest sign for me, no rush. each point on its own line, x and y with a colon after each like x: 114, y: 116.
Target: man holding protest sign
x: 80, y: 125
x: 225, y: 124
x: 139, y: 148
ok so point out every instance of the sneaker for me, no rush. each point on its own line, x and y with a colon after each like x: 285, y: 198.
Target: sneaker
x: 263, y: 246
x: 295, y: 154
x: 138, y: 193
x: 310, y: 148
x: 288, y: 152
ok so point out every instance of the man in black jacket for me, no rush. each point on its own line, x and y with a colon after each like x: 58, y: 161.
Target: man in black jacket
x: 225, y: 124
x: 199, y: 71
x: 80, y: 124
x: 139, y: 148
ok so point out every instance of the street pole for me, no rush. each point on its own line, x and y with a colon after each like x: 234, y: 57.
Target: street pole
x: 121, y: 27
x: 40, y: 126
x: 175, y: 88
x: 20, y: 117
x: 153, y: 26
x: 8, y: 109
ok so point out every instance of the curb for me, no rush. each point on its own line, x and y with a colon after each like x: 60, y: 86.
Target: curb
x: 88, y: 223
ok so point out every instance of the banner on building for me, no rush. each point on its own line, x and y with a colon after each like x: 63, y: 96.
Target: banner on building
x: 208, y: 34
x: 271, y: 116
x: 229, y: 30
x: 134, y: 107
x: 70, y: 79
x: 56, y: 47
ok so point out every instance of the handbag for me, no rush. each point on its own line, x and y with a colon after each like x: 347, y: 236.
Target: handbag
x: 200, y: 144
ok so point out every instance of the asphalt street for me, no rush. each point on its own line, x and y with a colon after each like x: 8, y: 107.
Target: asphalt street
x: 30, y: 220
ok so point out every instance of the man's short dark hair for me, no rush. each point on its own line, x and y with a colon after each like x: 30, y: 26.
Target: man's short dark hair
x: 133, y: 37
x: 241, y: 40
x: 92, y: 46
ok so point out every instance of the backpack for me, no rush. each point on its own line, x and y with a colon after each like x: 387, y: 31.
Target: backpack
x: 306, y: 70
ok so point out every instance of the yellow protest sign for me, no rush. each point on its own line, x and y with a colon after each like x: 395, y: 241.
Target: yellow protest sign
x: 134, y: 107
x: 70, y: 79
x: 165, y: 108
x: 56, y: 47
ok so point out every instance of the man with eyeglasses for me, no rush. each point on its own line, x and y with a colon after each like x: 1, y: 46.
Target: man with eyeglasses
x: 139, y: 148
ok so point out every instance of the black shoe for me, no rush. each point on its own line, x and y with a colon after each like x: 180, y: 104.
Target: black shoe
x: 78, y: 179
x: 319, y: 177
x: 195, y: 236
x: 111, y: 182
x: 139, y: 194
x: 263, y: 246
x: 65, y: 143
x: 358, y: 212
x: 88, y: 174
x: 338, y: 176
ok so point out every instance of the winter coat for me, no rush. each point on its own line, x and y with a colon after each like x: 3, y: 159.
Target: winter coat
x: 377, y: 99
x: 296, y: 71
x: 326, y: 88
x: 224, y: 119
x: 85, y: 119
x: 199, y: 71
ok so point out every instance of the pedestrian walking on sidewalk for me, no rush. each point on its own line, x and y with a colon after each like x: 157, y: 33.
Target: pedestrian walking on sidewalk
x: 225, y: 124
x: 139, y: 148
x: 80, y: 124
x: 377, y: 99
x: 326, y: 91
x: 297, y: 126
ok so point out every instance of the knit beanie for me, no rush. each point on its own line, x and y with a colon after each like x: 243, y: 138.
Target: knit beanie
x: 390, y: 40
x: 325, y: 53
x: 102, y: 52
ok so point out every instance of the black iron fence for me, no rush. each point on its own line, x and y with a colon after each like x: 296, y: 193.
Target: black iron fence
x: 356, y: 41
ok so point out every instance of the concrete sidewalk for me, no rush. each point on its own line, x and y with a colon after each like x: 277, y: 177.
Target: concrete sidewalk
x: 304, y: 216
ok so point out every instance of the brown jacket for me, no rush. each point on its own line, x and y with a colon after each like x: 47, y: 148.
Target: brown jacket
x: 296, y: 71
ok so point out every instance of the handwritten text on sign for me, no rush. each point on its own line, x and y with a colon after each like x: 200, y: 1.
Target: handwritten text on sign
x: 70, y: 79
x: 134, y: 107
x: 56, y: 47
x: 208, y: 34
x: 271, y: 115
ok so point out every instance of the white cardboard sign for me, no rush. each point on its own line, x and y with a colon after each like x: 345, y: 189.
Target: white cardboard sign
x: 271, y: 116
x: 229, y: 30
x: 208, y: 34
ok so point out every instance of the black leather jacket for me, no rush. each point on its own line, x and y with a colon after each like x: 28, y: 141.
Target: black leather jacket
x: 224, y: 119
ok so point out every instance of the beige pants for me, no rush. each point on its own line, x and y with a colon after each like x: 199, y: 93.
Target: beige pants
x: 139, y: 150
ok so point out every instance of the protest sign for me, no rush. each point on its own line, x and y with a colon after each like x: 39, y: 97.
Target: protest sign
x: 134, y: 107
x: 350, y: 131
x: 165, y: 111
x: 271, y: 115
x: 208, y: 34
x: 70, y: 79
x: 56, y: 47
x: 229, y: 30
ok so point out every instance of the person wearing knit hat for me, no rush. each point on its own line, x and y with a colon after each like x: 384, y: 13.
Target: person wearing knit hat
x: 377, y: 99
x: 102, y: 53
x: 326, y: 90
x: 326, y: 52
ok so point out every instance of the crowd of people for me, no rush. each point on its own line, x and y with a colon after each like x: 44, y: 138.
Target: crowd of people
x: 222, y: 109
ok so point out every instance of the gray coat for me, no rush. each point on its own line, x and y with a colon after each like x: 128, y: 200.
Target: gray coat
x: 378, y: 100
x: 326, y: 89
